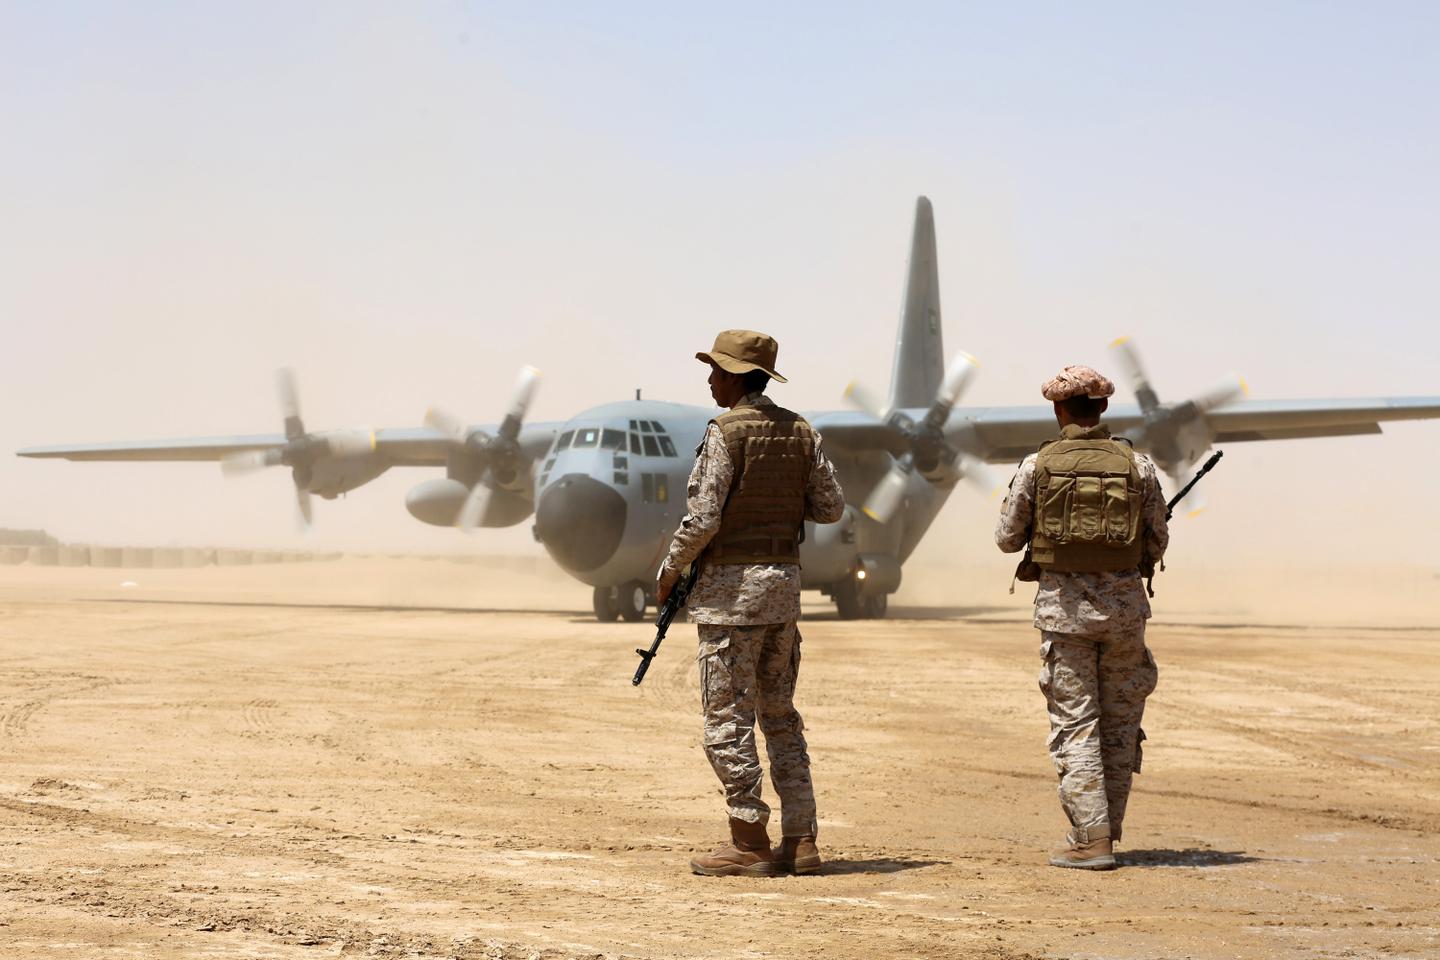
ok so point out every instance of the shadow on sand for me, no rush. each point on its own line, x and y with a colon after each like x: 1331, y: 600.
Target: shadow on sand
x: 877, y: 865
x: 1183, y: 858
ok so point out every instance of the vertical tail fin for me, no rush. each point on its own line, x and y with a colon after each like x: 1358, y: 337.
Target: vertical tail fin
x: 919, y: 350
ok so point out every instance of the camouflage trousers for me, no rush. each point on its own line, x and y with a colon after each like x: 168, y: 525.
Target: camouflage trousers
x: 1095, y: 686
x: 747, y: 673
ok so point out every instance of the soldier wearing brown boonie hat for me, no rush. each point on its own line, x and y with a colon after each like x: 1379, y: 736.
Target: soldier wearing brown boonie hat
x: 1089, y: 512
x: 758, y: 476
x: 743, y: 351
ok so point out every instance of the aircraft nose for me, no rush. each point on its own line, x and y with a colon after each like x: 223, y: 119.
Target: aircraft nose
x: 580, y: 521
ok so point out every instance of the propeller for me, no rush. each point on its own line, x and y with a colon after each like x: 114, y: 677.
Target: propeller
x: 298, y: 453
x: 1175, y: 435
x: 498, y: 456
x: 926, y: 446
x: 301, y: 449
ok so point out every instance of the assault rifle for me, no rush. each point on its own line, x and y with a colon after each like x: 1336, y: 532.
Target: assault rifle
x: 667, y: 614
x: 1147, y: 567
x: 1209, y: 465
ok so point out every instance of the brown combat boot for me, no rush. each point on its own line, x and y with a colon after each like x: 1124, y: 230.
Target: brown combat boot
x: 747, y: 856
x: 1086, y: 849
x: 798, y: 854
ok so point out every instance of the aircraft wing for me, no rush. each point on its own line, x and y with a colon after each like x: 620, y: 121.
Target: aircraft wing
x: 400, y: 446
x: 1007, y: 434
x: 188, y: 448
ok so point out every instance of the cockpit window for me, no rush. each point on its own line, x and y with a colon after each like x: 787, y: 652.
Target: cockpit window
x: 587, y: 437
x: 564, y: 440
x: 656, y: 427
x: 635, y: 443
x: 632, y: 425
x: 644, y: 426
x: 652, y: 449
x: 667, y: 446
x: 613, y: 440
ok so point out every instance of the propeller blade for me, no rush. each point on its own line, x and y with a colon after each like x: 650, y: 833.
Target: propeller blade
x: 860, y: 397
x: 447, y: 423
x: 957, y: 378
x: 889, y: 494
x: 1230, y: 389
x: 1129, y: 357
x: 289, y: 403
x: 239, y: 464
x: 975, y: 472
x: 524, y: 392
x: 472, y: 511
x: 302, y: 501
x: 1194, y: 503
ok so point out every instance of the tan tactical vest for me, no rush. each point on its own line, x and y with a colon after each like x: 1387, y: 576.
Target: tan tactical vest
x: 773, y: 451
x: 1087, y: 503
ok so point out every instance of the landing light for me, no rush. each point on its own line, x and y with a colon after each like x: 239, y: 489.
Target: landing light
x: 859, y: 574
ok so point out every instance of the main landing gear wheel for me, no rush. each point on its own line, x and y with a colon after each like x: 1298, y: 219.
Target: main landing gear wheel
x: 853, y: 606
x: 606, y: 609
x: 631, y: 600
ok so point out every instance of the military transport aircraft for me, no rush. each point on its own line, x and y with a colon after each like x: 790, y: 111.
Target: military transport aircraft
x: 607, y: 487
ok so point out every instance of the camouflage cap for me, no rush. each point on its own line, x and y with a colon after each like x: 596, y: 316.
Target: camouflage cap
x: 1077, y: 381
x: 740, y: 351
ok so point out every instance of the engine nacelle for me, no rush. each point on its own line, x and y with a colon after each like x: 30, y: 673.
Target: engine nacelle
x: 344, y: 460
x: 438, y: 502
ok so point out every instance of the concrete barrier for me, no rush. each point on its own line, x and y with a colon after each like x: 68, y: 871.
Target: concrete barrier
x: 46, y: 556
x: 13, y: 554
x: 168, y: 557
x: 193, y: 557
x: 137, y: 557
x: 233, y: 558
x: 74, y: 555
x: 105, y: 556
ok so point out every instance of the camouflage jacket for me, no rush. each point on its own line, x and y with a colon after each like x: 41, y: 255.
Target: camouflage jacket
x: 742, y: 593
x: 1086, y: 602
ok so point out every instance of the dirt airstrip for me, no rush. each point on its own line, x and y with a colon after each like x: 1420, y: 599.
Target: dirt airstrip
x: 399, y: 758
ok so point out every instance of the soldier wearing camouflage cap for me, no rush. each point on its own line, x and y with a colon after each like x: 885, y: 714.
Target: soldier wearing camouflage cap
x: 759, y: 475
x: 1090, y: 514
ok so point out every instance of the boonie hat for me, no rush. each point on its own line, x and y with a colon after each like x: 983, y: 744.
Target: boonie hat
x: 740, y: 351
x: 1077, y: 381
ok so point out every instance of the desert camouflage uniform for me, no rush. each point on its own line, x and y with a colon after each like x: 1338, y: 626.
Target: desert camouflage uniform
x: 1096, y: 670
x: 749, y: 644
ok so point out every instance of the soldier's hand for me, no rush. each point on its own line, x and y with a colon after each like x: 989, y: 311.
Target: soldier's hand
x: 664, y: 584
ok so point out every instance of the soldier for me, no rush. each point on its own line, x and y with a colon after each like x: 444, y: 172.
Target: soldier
x: 1091, y: 512
x: 758, y: 475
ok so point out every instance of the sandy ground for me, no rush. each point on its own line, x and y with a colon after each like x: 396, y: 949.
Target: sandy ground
x: 412, y: 759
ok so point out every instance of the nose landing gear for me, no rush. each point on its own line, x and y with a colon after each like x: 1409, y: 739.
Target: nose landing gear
x: 854, y: 604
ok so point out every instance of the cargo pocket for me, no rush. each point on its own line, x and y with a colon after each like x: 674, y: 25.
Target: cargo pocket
x: 1151, y: 674
x: 1139, y: 751
x: 1045, y: 668
x: 717, y: 691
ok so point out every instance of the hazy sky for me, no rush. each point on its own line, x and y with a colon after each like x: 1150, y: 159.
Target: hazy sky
x: 407, y: 202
